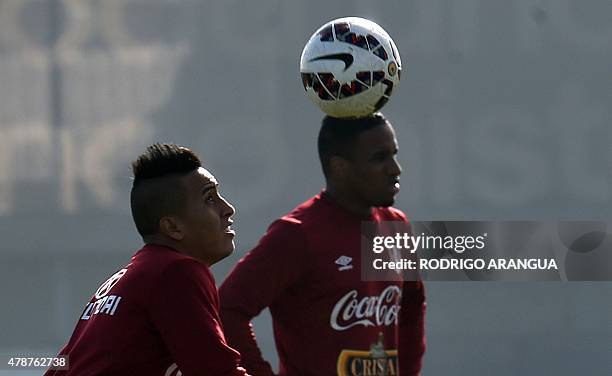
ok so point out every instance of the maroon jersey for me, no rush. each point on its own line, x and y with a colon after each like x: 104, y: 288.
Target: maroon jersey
x: 156, y: 316
x: 307, y: 270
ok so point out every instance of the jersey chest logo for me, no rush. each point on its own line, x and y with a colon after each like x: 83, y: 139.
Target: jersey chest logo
x: 379, y: 310
x: 344, y: 263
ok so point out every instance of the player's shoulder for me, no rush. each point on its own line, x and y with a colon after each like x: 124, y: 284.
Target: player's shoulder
x: 299, y: 220
x: 158, y: 262
x: 180, y: 263
x: 303, y: 213
x: 312, y: 210
x: 287, y: 226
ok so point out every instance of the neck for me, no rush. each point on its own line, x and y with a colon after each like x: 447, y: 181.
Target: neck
x: 346, y: 200
x: 169, y: 243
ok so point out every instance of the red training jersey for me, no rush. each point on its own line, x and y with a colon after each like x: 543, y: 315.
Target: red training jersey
x: 326, y: 319
x: 157, y: 316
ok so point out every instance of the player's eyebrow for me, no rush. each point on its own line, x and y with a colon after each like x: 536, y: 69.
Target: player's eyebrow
x: 208, y: 186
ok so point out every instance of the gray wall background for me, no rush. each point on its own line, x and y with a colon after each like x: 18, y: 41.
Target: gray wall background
x: 503, y: 113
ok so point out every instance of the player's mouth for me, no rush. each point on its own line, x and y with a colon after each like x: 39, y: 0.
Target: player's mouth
x: 395, y: 186
x: 228, y: 230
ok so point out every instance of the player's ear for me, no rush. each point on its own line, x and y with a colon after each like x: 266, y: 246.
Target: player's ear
x: 338, y: 166
x: 171, y: 227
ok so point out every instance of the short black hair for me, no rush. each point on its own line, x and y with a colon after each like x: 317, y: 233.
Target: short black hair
x: 337, y: 136
x: 154, y: 191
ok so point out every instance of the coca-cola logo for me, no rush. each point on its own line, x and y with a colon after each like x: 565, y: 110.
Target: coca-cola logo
x: 374, y: 310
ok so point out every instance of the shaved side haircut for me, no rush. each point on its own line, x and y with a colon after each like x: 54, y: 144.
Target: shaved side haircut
x: 157, y: 190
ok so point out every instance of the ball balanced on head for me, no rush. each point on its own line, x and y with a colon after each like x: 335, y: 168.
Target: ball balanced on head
x: 350, y: 67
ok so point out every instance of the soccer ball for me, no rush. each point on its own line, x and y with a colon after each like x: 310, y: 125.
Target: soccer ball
x: 349, y: 67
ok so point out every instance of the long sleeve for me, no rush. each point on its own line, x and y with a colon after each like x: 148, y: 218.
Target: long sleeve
x: 263, y: 275
x: 184, y: 309
x: 411, y: 329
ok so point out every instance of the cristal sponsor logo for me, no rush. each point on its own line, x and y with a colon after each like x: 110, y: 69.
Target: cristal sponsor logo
x: 379, y: 310
x: 363, y: 363
x: 344, y: 262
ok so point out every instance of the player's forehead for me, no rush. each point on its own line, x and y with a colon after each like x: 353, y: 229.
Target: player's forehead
x: 200, y: 178
x: 377, y: 138
x: 206, y: 176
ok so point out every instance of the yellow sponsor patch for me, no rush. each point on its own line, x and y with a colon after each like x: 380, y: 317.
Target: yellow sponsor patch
x: 367, y: 363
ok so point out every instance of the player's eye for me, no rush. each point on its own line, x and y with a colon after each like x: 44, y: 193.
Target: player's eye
x: 209, y: 199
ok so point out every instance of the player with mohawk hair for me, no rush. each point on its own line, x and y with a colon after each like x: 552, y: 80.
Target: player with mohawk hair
x: 159, y: 314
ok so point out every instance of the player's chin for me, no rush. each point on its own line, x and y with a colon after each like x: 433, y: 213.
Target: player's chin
x: 223, y: 255
x: 386, y: 202
x: 225, y: 250
x: 230, y: 247
x: 386, y: 199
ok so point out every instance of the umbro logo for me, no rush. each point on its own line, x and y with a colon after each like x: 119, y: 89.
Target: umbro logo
x: 344, y: 263
x: 346, y: 58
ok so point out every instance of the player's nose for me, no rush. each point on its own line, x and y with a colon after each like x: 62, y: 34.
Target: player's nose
x: 227, y: 209
x: 394, y: 168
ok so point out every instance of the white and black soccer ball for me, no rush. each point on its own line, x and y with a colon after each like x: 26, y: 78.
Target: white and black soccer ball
x: 350, y: 67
